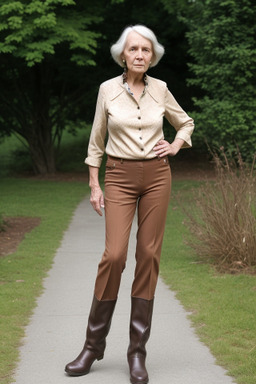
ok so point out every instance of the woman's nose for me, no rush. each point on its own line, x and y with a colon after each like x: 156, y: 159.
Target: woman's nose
x: 139, y: 54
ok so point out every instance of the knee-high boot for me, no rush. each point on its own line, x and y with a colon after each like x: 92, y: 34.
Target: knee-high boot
x: 140, y: 326
x: 97, y: 330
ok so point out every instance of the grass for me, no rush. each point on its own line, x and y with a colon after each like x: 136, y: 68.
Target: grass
x: 73, y: 151
x: 9, y: 148
x: 2, y: 222
x: 222, y: 306
x: 21, y: 273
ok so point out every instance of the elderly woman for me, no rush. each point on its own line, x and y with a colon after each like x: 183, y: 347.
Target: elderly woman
x: 130, y: 108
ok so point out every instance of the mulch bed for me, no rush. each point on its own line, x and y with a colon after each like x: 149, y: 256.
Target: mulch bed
x: 14, y: 231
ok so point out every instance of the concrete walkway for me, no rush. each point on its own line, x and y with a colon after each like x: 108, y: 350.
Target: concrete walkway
x: 56, y: 331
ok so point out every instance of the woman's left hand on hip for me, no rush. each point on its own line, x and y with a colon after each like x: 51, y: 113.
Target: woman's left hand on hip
x: 164, y: 148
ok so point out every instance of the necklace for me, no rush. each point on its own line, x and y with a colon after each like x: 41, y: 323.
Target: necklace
x: 127, y: 85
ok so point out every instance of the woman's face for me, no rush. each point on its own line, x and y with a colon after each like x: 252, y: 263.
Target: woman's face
x: 138, y: 52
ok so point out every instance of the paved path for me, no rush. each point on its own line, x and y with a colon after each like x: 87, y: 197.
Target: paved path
x: 56, y: 331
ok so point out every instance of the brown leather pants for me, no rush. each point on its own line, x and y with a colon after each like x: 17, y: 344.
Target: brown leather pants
x: 131, y: 184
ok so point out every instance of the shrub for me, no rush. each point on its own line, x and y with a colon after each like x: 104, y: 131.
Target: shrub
x: 221, y: 41
x: 222, y: 226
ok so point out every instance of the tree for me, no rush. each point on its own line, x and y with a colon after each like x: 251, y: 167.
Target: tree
x: 47, y: 76
x: 43, y: 46
x: 222, y: 44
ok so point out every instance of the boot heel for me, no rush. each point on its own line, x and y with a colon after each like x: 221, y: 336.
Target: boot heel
x: 100, y: 357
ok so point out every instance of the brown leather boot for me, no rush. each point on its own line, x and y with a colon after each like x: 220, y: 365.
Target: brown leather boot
x: 97, y: 330
x: 140, y: 326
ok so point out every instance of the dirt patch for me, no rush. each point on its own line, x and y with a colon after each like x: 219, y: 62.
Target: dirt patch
x: 15, y: 229
x: 183, y: 170
x: 187, y: 165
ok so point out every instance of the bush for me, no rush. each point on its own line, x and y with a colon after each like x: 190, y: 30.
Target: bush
x: 222, y: 45
x: 223, y: 226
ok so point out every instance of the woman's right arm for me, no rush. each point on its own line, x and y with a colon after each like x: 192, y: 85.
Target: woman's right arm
x: 96, y: 146
x: 97, y: 197
x: 95, y: 152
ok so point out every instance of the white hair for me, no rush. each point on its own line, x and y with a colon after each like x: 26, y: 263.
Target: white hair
x: 118, y: 48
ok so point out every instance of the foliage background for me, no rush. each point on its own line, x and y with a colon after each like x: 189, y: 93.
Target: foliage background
x: 221, y: 39
x: 54, y: 54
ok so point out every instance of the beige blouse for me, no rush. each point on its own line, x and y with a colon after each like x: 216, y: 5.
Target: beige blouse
x: 134, y: 127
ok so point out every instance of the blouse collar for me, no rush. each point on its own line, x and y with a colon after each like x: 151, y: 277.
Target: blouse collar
x: 150, y: 85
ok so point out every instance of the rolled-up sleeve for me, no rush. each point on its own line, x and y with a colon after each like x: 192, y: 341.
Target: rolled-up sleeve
x: 96, y: 146
x: 179, y: 119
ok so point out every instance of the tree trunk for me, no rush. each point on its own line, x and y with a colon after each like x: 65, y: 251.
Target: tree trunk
x: 40, y: 137
x: 42, y: 155
x: 28, y: 112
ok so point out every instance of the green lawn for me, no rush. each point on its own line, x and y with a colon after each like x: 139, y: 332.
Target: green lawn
x: 21, y: 273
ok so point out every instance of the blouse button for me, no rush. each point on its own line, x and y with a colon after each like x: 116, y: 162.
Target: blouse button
x: 139, y: 129
x: 139, y: 117
x: 140, y: 138
x: 138, y: 107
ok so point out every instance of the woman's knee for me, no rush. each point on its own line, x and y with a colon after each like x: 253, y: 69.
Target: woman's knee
x: 148, y: 256
x: 115, y: 258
